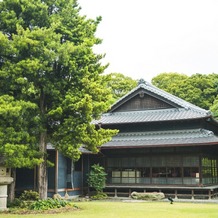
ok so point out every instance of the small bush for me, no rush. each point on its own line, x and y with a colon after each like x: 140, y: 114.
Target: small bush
x: 97, y: 178
x: 150, y: 196
x: 99, y: 196
x: 29, y: 196
x: 25, y: 200
x: 48, y: 204
x: 16, y: 203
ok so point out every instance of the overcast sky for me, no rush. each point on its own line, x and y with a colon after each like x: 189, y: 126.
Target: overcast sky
x: 143, y: 38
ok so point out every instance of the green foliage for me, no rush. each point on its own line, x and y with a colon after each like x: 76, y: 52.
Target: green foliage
x: 17, y: 133
x: 53, y: 79
x: 214, y: 108
x: 97, y: 178
x: 25, y: 200
x: 30, y: 200
x: 169, y: 81
x: 119, y: 85
x: 99, y: 196
x: 29, y: 195
x: 48, y: 204
x: 198, y: 89
x: 15, y: 203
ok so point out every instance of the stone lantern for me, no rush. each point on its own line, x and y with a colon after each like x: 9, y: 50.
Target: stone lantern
x: 5, y: 180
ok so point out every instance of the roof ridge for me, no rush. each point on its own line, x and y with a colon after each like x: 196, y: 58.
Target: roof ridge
x: 164, y: 131
x: 179, y: 101
x: 147, y: 111
x: 172, y: 98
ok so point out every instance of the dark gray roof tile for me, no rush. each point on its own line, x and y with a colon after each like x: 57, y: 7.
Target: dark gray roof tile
x: 150, y: 116
x: 82, y: 149
x: 159, y: 138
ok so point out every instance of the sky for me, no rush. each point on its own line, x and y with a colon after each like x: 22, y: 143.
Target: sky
x: 143, y: 38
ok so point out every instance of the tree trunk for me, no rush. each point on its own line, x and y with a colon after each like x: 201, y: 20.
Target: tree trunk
x: 11, y: 190
x: 42, y: 172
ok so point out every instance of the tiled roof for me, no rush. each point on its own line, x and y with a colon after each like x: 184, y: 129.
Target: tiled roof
x: 164, y: 95
x: 183, y: 110
x: 151, y: 116
x: 162, y: 138
x: 82, y: 149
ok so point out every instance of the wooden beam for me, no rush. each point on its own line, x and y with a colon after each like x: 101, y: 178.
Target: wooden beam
x: 56, y: 171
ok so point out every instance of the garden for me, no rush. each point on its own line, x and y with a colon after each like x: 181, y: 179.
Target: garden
x: 123, y: 209
x: 154, y: 204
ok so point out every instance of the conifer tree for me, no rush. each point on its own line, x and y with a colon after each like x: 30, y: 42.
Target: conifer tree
x: 47, y: 65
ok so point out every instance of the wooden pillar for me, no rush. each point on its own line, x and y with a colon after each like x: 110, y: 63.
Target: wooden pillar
x: 176, y: 196
x: 192, y: 194
x: 130, y: 192
x: 56, y: 172
x: 200, y: 171
x: 82, y: 175
x: 115, y: 192
x: 35, y: 179
x: 209, y: 194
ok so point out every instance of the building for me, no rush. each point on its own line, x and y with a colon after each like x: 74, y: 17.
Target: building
x: 164, y: 144
x: 65, y: 177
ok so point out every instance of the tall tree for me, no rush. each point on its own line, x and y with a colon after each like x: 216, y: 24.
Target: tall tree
x: 198, y: 89
x: 169, y: 81
x: 119, y: 85
x: 46, y: 59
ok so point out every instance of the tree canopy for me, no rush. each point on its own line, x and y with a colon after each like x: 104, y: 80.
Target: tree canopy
x: 169, y: 81
x: 47, y: 63
x: 119, y: 85
x: 18, y: 144
x: 198, y: 89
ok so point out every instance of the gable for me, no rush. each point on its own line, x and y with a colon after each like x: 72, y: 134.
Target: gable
x: 142, y: 101
x: 148, y: 97
x: 147, y: 103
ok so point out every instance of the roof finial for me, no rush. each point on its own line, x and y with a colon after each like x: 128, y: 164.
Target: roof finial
x: 141, y: 81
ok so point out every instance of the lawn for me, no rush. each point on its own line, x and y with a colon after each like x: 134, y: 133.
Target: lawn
x: 131, y: 209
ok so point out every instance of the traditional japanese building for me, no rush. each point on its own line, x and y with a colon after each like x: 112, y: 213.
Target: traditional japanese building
x: 164, y: 144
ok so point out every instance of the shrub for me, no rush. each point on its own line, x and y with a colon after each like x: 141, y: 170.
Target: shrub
x: 15, y: 203
x: 152, y: 196
x: 25, y: 200
x: 29, y: 196
x: 99, y: 196
x: 97, y: 178
x: 48, y: 204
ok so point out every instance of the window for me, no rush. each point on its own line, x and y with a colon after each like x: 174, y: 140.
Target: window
x: 191, y: 172
x: 157, y: 169
x: 209, y: 170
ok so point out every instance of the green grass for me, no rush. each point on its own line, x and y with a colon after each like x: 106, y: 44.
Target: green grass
x: 134, y: 210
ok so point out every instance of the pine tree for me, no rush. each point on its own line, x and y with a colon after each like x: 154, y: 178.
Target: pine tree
x: 47, y: 61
